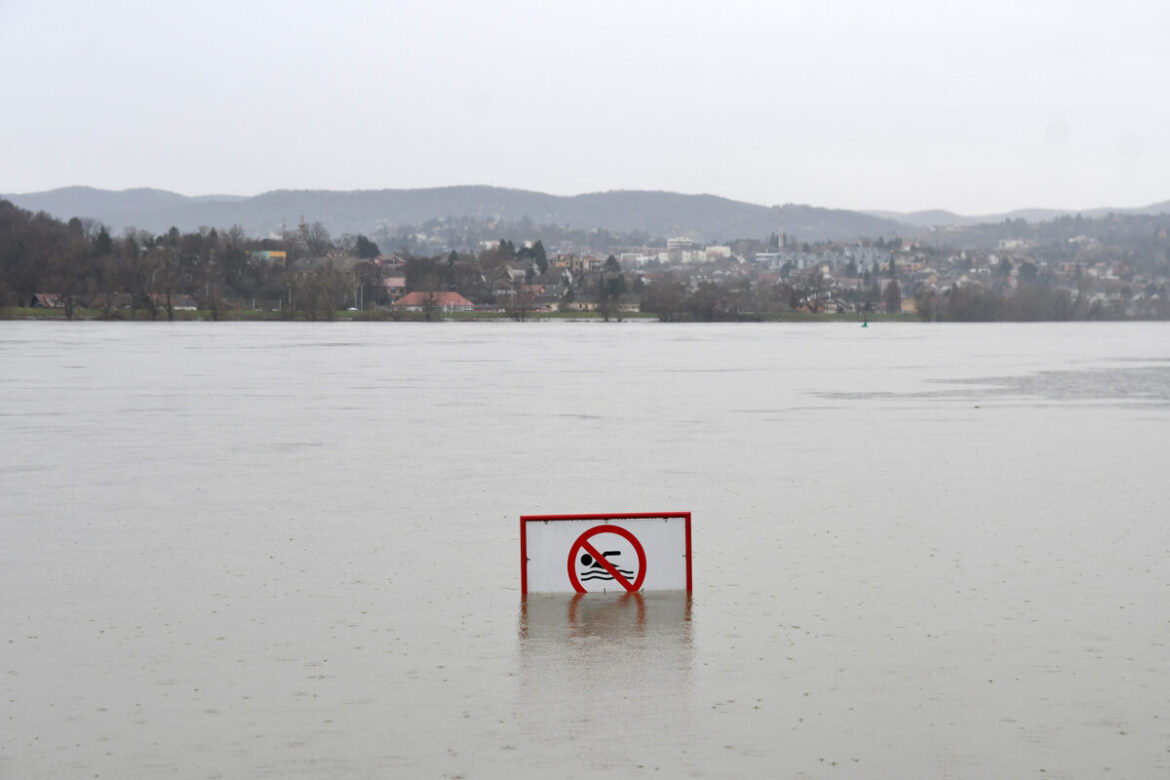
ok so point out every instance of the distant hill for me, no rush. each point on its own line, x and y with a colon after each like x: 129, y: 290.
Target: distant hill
x: 937, y: 218
x: 811, y: 223
x: 658, y: 214
x: 708, y: 218
x: 927, y: 219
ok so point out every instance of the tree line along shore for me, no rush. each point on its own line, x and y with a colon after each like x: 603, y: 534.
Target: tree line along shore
x: 51, y: 268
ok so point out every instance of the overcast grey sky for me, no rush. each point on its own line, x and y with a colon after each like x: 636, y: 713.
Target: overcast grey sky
x: 974, y: 106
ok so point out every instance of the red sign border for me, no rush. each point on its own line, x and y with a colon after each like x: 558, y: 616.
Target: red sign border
x: 608, y: 516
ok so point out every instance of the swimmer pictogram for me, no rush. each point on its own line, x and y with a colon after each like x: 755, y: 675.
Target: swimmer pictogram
x: 591, y: 568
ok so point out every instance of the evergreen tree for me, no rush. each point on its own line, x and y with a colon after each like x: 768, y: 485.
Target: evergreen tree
x: 365, y: 248
x: 540, y: 258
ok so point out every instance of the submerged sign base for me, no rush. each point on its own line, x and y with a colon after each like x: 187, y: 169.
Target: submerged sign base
x: 605, y: 552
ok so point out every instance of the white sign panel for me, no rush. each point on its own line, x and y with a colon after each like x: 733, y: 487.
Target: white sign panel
x: 605, y: 553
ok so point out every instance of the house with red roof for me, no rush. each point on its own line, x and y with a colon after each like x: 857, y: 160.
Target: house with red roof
x: 436, y: 301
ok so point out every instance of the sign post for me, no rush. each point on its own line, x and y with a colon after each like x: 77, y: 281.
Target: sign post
x: 605, y: 552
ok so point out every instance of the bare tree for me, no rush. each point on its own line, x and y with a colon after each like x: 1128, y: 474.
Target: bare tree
x: 666, y: 298
x: 611, y: 286
x: 519, y: 302
x: 812, y: 288
x: 893, y: 297
x: 429, y: 286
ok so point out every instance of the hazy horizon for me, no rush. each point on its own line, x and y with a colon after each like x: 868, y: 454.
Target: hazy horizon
x: 974, y: 108
x: 875, y: 211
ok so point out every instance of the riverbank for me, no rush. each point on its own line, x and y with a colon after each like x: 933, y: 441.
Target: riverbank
x: 382, y: 315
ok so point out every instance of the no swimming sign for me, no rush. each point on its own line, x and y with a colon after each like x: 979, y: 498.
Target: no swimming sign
x: 605, y: 552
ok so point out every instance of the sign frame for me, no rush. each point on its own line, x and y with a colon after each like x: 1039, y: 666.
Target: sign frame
x: 603, y: 516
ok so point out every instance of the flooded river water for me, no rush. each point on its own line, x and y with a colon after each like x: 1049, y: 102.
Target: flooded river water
x: 291, y: 550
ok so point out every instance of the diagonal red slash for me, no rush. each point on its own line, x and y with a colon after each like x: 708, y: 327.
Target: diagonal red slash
x: 609, y: 567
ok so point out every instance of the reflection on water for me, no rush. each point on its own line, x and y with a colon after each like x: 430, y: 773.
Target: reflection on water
x: 604, y: 672
x: 616, y: 617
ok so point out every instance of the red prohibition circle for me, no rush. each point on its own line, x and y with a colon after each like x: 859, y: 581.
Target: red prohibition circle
x: 583, y: 540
